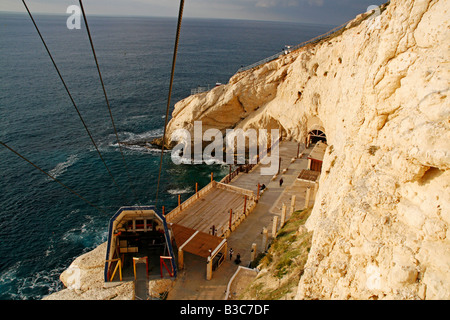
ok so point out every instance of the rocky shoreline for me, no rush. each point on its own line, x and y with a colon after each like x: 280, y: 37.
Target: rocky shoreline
x: 155, y: 143
x: 83, y: 280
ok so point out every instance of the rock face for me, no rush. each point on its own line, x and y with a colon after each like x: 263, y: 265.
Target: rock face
x: 83, y: 280
x: 380, y: 93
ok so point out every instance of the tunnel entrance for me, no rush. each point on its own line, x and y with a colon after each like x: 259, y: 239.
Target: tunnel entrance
x: 315, y: 136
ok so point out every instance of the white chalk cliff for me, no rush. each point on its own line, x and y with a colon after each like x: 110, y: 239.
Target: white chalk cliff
x: 379, y: 91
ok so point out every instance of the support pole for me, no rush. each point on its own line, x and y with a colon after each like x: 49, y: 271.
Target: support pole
x: 279, y: 165
x: 179, y: 201
x: 231, y: 217
x: 209, y: 268
x: 308, y: 195
x: 212, y: 176
x: 253, y: 252
x: 245, y: 205
x: 180, y: 259
x: 316, y: 188
x: 196, y: 189
x: 163, y: 263
x: 118, y: 266
x: 283, y: 215
x: 292, y: 204
x: 257, y: 193
x: 274, y: 226
x: 265, y: 239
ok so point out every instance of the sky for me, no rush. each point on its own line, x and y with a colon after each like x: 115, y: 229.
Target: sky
x: 329, y: 12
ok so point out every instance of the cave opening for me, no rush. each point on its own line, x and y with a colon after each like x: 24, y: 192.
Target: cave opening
x: 316, y: 136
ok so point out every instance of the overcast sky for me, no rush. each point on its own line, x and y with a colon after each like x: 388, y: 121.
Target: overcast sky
x: 306, y: 11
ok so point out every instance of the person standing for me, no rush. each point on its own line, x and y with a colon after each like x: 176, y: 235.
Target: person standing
x: 281, y: 182
x: 231, y: 253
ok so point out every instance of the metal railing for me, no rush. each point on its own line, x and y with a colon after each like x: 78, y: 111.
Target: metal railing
x: 200, y: 89
x: 293, y: 48
x: 118, y: 266
x: 246, y: 168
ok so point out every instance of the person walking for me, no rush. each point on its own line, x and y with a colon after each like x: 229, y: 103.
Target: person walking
x: 238, y: 259
x: 281, y: 182
x: 231, y: 253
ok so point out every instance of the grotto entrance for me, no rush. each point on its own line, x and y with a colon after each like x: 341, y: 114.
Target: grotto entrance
x: 316, y: 135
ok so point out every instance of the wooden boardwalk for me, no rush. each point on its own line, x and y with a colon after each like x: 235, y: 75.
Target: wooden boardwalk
x: 212, y: 206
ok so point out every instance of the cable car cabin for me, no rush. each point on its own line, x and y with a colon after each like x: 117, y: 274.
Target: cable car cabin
x: 138, y: 235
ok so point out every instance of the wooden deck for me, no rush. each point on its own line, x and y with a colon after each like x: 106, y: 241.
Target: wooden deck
x: 194, y: 242
x: 308, y: 176
x: 211, y: 207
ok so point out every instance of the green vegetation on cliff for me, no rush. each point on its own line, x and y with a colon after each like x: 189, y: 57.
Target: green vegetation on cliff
x: 282, y: 266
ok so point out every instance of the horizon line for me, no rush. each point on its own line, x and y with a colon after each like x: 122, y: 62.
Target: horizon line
x: 166, y: 17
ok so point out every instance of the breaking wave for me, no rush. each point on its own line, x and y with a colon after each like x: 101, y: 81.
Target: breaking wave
x: 63, y: 166
x: 30, y: 287
x: 127, y: 136
x: 179, y: 191
x: 139, y: 142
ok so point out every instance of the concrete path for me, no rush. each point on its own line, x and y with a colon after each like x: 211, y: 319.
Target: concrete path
x: 191, y: 283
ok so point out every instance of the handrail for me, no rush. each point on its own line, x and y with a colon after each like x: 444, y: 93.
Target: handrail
x: 227, y: 293
x: 172, y: 214
x: 289, y: 50
x: 118, y: 266
x: 200, y: 89
x: 229, y: 187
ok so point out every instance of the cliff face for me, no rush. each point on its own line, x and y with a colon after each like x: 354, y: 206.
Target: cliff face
x: 379, y: 92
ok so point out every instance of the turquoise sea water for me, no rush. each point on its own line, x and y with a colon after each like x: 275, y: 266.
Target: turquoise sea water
x: 43, y: 227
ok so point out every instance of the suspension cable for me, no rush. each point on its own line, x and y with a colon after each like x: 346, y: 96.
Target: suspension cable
x: 174, y: 60
x: 71, y: 98
x: 53, y: 178
x: 107, y: 100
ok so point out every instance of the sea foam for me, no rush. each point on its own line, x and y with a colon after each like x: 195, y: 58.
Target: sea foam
x: 63, y: 166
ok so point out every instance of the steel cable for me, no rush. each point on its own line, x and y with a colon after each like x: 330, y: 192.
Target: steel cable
x: 174, y: 60
x: 53, y: 178
x: 73, y: 101
x: 107, y: 101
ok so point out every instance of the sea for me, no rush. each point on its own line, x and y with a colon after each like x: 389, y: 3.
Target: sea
x: 43, y: 226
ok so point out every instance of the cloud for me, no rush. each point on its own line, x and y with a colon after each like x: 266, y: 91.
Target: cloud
x: 277, y: 3
x: 318, y: 3
x: 308, y: 11
x: 287, y: 3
